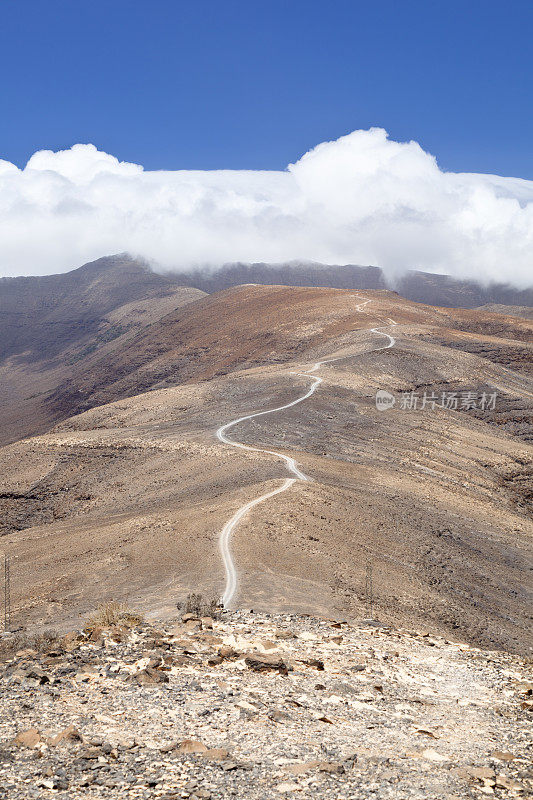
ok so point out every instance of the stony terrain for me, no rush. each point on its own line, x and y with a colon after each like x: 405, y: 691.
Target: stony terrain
x: 261, y: 706
x: 419, y: 517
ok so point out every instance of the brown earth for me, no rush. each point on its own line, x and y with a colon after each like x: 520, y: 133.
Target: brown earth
x: 51, y: 326
x: 56, y: 330
x: 126, y: 500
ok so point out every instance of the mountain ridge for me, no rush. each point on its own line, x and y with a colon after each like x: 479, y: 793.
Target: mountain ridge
x: 421, y: 287
x: 65, y: 335
x: 52, y: 324
x: 437, y: 497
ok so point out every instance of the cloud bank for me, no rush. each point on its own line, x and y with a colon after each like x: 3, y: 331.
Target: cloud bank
x: 362, y: 199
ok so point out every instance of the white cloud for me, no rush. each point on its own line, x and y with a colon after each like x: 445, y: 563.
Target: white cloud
x: 362, y: 199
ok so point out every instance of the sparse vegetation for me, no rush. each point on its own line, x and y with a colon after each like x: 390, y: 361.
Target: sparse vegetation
x: 41, y: 643
x: 199, y: 606
x: 113, y: 614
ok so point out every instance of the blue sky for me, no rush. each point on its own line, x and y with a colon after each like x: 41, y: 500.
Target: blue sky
x: 247, y: 84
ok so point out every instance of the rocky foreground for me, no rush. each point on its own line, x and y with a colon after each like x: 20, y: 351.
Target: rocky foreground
x: 259, y: 706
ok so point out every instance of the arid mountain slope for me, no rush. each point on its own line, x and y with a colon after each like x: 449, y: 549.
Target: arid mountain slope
x: 252, y: 325
x: 127, y: 500
x: 516, y: 311
x: 52, y: 325
x: 57, y: 331
x: 422, y: 287
x: 43, y: 316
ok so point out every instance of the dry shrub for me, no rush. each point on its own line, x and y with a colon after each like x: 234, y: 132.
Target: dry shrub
x: 201, y: 607
x: 111, y: 615
x: 10, y: 645
x: 40, y: 642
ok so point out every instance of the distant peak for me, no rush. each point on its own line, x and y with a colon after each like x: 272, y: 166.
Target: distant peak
x: 117, y: 262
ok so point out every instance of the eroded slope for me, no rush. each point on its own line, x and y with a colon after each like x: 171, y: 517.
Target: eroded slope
x: 127, y: 500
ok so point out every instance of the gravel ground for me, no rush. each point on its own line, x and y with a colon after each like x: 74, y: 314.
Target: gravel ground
x: 262, y: 706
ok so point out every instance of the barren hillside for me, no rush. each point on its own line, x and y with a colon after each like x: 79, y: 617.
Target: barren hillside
x: 50, y: 326
x: 422, y: 287
x: 128, y: 499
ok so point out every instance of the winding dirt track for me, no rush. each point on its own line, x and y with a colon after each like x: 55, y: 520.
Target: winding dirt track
x: 227, y: 531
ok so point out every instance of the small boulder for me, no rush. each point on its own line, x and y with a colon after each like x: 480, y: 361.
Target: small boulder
x: 30, y: 738
x: 70, y: 641
x: 189, y: 618
x: 33, y: 672
x: 227, y: 652
x: 259, y: 662
x: 148, y: 677
x: 191, y: 746
x: 266, y: 644
x: 28, y: 652
x: 300, y: 768
x: 481, y: 773
x: 314, y: 663
x: 433, y: 755
x: 503, y: 782
x: 91, y: 753
x: 70, y: 734
x: 95, y: 635
x: 282, y: 633
x: 331, y: 768
x: 288, y: 786
x: 503, y: 755
x: 216, y: 754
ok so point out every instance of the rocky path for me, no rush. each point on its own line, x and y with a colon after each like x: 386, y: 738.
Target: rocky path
x: 260, y: 706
